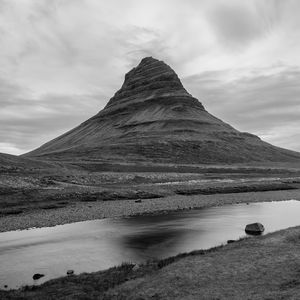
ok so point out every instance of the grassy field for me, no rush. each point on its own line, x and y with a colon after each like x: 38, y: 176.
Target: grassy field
x: 40, y: 196
x: 23, y: 190
x: 264, y: 267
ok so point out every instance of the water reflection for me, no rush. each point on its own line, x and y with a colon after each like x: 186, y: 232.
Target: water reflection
x: 147, y: 245
x: 94, y: 245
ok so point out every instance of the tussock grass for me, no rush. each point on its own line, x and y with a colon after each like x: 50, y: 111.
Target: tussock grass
x: 11, y: 211
x: 94, y: 285
x: 52, y: 206
x: 236, y: 189
x: 263, y: 267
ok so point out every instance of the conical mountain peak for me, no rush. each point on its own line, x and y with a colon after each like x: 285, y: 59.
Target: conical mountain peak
x: 152, y: 118
x: 151, y: 79
x: 149, y: 60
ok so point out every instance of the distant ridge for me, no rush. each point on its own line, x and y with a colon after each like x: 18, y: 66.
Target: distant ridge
x: 10, y: 162
x: 152, y: 118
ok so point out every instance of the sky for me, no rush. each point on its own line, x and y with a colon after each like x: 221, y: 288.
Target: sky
x: 62, y: 60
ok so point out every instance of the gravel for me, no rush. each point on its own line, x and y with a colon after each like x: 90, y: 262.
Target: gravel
x: 118, y: 208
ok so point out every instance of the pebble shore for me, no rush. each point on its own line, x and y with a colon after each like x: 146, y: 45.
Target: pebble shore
x: 119, y: 208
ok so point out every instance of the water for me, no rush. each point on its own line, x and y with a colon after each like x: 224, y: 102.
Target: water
x: 94, y: 245
x: 224, y: 180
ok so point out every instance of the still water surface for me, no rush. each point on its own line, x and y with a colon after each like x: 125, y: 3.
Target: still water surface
x: 94, y: 245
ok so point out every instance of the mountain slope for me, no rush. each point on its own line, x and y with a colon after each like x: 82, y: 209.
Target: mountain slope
x: 10, y: 162
x: 153, y: 118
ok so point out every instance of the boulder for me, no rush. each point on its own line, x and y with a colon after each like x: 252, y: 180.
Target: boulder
x: 37, y: 276
x: 255, y: 228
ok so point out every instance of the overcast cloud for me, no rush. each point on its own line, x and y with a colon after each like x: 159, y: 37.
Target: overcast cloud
x: 61, y: 61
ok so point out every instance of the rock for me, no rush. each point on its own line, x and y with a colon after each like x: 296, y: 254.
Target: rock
x: 138, y: 201
x: 230, y: 241
x: 255, y: 228
x: 70, y: 272
x: 5, y: 286
x: 136, y: 267
x: 37, y: 276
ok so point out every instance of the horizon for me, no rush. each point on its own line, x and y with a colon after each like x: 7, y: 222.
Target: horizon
x: 62, y: 61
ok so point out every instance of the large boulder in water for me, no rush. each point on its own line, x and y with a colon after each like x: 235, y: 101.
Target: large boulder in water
x: 255, y: 228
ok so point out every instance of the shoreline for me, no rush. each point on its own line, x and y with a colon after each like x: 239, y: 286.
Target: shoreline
x: 273, y: 255
x: 80, y: 211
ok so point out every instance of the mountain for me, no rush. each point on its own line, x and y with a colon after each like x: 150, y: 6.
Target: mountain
x: 152, y: 118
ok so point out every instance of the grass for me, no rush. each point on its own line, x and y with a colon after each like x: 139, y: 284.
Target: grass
x: 45, y: 189
x: 52, y: 206
x: 12, y: 211
x: 88, y: 286
x: 85, y: 285
x: 266, y: 267
x: 236, y: 189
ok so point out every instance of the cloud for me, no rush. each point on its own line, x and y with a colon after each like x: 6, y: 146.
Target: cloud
x: 235, y: 24
x: 265, y: 102
x: 28, y: 122
x: 61, y: 61
x: 9, y: 148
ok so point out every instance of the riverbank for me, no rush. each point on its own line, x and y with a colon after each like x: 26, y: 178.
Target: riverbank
x: 82, y: 211
x: 262, y: 267
x: 67, y: 193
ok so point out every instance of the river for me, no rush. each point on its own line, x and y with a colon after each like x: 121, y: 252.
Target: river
x: 99, y: 244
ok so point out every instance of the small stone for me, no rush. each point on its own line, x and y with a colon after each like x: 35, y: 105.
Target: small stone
x: 138, y: 201
x: 70, y: 272
x: 37, y: 276
x: 230, y: 241
x: 5, y: 286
